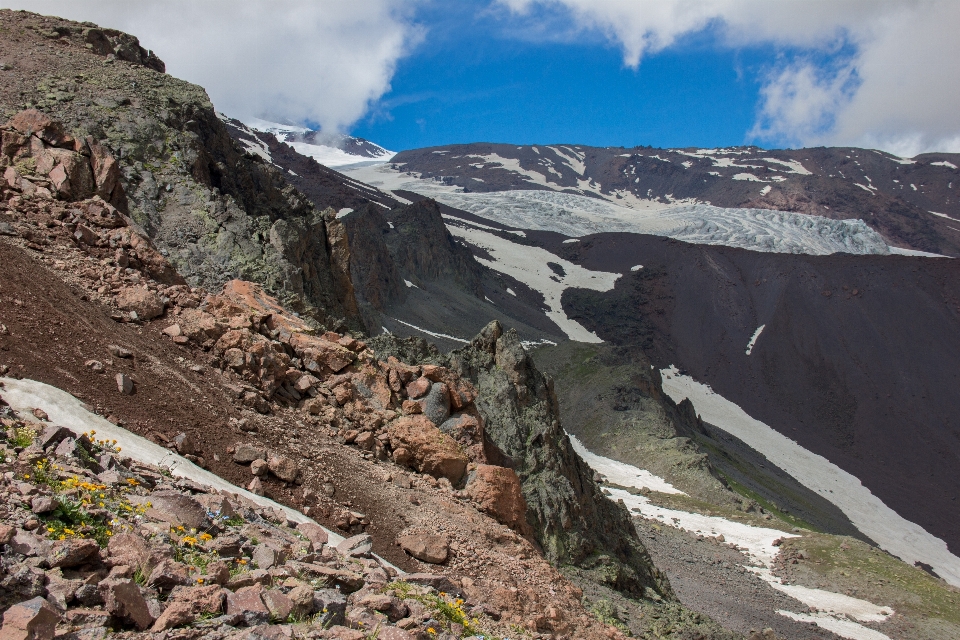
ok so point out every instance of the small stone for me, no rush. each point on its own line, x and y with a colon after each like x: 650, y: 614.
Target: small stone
x: 35, y: 619
x: 264, y: 556
x: 41, y: 415
x: 185, y: 444
x: 119, y: 352
x: 255, y: 487
x: 314, y: 533
x: 125, y: 384
x: 73, y: 552
x: 167, y: 575
x: 94, y: 365
x: 173, y: 331
x: 122, y: 598
x: 42, y: 504
x: 176, y: 614
x: 259, y: 468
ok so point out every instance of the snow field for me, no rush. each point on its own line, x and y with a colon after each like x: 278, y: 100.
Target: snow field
x: 893, y: 533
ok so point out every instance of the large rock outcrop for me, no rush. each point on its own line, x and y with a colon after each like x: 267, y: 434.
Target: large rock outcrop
x: 572, y: 520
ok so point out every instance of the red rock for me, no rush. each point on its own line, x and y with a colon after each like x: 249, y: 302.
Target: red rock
x: 426, y: 548
x: 419, y: 387
x: 167, y: 575
x: 106, y: 172
x: 431, y: 450
x: 6, y: 533
x: 125, y: 384
x: 34, y: 619
x: 283, y: 467
x: 411, y: 407
x: 314, y: 533
x: 278, y: 603
x: 248, y: 602
x: 365, y: 441
x: 32, y: 122
x: 394, y: 633
x: 122, y: 598
x: 144, y: 302
x: 73, y: 552
x: 201, y: 599
x: 176, y: 614
x: 343, y: 393
x: 497, y: 491
x: 173, y: 331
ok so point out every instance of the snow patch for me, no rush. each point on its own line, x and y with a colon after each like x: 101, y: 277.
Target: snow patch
x: 529, y: 266
x: 794, y: 165
x: 913, y: 252
x: 511, y: 292
x: 431, y: 333
x: 636, y: 267
x: 571, y: 240
x: 893, y: 533
x: 622, y: 474
x: 753, y: 339
x: 343, y: 213
x: 944, y: 163
x: 765, y: 190
x: 410, y: 284
x: 747, y: 176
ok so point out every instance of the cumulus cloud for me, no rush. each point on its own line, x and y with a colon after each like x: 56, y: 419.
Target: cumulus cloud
x: 324, y: 61
x: 896, y: 89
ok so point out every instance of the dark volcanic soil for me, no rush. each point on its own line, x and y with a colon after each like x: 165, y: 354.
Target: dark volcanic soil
x: 857, y: 361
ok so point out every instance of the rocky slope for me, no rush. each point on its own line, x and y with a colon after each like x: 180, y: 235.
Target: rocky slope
x: 217, y: 211
x: 222, y: 379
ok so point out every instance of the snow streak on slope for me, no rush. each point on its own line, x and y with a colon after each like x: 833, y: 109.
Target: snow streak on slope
x: 835, y: 612
x: 902, y: 538
x: 576, y: 215
x: 529, y: 266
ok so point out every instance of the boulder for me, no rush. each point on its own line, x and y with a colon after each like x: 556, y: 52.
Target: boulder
x: 31, y: 122
x: 247, y: 602
x: 123, y: 600
x: 279, y: 604
x: 436, y: 404
x: 167, y: 575
x: 419, y: 387
x: 144, y: 302
x: 125, y: 384
x: 247, y: 453
x: 179, y: 509
x: 283, y: 467
x: 73, y: 552
x: 176, y: 614
x: 499, y: 493
x: 314, y: 533
x: 431, y: 451
x: 426, y: 548
x: 35, y: 619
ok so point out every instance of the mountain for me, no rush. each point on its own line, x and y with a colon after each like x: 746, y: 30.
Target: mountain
x: 590, y: 391
x: 329, y: 149
x: 911, y: 203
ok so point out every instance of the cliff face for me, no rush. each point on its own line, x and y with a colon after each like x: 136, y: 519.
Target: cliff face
x: 216, y: 211
x: 573, y: 521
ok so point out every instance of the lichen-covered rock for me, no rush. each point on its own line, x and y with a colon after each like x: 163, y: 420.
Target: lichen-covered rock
x: 570, y: 517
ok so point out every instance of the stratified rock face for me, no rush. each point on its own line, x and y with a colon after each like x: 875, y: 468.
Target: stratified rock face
x: 375, y: 276
x: 571, y: 519
x: 423, y: 248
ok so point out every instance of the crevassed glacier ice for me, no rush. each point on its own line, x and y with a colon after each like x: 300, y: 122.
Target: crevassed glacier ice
x: 756, y: 229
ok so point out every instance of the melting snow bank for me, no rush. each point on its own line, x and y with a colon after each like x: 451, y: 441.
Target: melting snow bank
x: 529, y: 266
x: 620, y: 473
x: 65, y: 410
x: 753, y: 338
x: 832, y: 611
x: 904, y: 539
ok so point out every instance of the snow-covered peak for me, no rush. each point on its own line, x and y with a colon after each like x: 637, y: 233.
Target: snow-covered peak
x: 329, y: 149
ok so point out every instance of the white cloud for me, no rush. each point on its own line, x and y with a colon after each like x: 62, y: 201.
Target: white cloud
x: 324, y: 61
x: 898, y: 90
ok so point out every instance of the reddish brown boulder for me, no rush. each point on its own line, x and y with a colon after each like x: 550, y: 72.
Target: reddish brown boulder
x: 122, y: 598
x: 176, y: 614
x: 426, y: 548
x: 34, y: 123
x: 73, y: 552
x: 431, y: 451
x: 144, y: 302
x: 419, y: 387
x: 497, y: 491
x: 34, y: 619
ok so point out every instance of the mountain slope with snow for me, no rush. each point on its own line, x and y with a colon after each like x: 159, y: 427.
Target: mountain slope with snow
x: 329, y: 149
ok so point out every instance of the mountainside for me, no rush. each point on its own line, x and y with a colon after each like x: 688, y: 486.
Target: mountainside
x: 911, y: 203
x: 216, y: 211
x: 329, y: 149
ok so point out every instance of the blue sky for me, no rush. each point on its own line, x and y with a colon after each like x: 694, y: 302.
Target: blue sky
x: 471, y: 80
